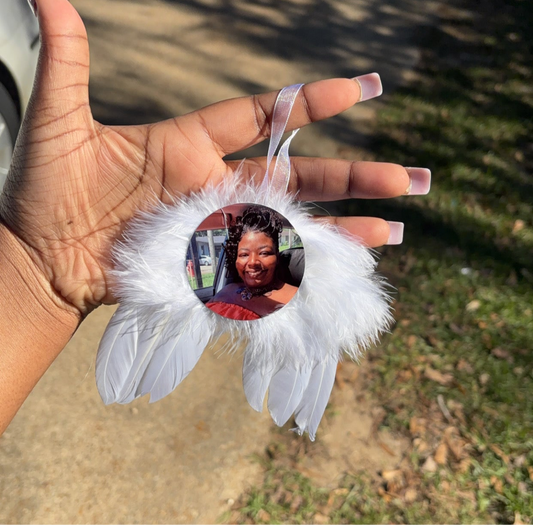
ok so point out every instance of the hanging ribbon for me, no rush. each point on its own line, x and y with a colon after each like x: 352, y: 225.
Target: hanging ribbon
x: 279, y: 180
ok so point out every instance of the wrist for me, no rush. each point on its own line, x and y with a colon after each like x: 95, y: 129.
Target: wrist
x: 35, y: 324
x: 27, y: 284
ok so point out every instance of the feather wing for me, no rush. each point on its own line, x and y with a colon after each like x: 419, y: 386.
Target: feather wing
x: 172, y: 362
x: 148, y: 341
x: 286, y: 391
x: 116, y: 353
x: 255, y: 383
x: 315, y: 398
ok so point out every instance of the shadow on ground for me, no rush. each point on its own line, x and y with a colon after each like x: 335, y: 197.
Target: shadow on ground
x: 470, y: 119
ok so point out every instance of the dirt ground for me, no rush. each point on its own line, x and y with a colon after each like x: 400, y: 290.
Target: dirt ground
x: 67, y: 458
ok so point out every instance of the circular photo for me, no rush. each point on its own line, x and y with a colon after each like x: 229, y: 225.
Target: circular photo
x: 245, y: 262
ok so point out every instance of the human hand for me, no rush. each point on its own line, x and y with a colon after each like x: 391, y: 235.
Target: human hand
x: 74, y: 183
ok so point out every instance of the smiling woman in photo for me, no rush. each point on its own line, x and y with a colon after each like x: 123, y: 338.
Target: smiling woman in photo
x: 252, y: 260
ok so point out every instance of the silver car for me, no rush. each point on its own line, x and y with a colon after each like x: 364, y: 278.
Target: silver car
x: 19, y: 50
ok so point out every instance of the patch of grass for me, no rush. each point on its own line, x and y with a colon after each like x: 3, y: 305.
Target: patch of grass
x: 456, y: 373
x: 460, y: 355
x: 207, y: 280
x: 464, y: 274
x: 286, y: 495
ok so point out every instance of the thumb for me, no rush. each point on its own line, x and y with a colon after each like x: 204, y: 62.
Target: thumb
x: 62, y: 80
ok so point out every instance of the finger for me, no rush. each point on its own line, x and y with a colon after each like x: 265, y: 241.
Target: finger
x: 62, y: 79
x: 372, y: 232
x: 236, y: 124
x: 315, y: 179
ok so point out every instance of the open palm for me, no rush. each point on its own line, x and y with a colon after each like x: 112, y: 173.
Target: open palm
x: 75, y: 183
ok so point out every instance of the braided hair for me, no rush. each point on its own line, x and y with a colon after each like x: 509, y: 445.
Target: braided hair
x: 253, y: 219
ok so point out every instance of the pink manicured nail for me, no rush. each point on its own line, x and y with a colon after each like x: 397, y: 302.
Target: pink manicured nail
x: 33, y: 6
x: 420, y: 181
x: 370, y: 86
x: 396, y: 233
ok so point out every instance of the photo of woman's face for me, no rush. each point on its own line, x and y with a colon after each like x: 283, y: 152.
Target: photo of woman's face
x: 245, y: 262
x: 257, y: 258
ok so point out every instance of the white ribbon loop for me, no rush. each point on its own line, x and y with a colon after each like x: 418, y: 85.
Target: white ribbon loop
x: 279, y: 180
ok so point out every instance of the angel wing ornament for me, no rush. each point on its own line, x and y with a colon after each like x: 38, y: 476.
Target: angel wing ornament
x: 161, y: 328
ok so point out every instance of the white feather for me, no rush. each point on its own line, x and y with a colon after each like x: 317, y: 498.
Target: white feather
x: 171, y: 364
x: 116, y: 354
x: 286, y: 391
x: 255, y: 383
x: 148, y: 341
x: 315, y: 399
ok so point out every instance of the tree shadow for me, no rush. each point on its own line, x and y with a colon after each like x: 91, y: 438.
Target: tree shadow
x: 470, y: 120
x: 329, y: 38
x: 326, y: 36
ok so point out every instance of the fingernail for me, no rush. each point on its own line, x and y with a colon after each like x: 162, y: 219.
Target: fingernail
x: 33, y: 6
x: 419, y: 181
x: 396, y: 233
x: 370, y: 86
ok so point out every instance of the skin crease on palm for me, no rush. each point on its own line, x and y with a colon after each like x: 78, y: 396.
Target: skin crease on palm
x: 74, y: 183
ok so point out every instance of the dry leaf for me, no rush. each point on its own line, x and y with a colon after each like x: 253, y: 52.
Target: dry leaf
x: 441, y: 454
x: 482, y: 484
x: 433, y: 341
x: 429, y: 465
x: 411, y: 340
x: 464, y: 465
x: 417, y: 426
x: 335, y: 493
x: 518, y: 225
x: 454, y: 406
x: 340, y: 492
x: 522, y: 487
x: 484, y: 379
x: 492, y: 411
x: 382, y: 492
x: 454, y: 442
x: 405, y: 375
x: 474, y: 305
x: 390, y: 475
x: 278, y: 495
x: 500, y: 353
x: 394, y: 479
x: 456, y: 329
x: 386, y: 448
x: 320, y: 518
x: 500, y: 453
x: 464, y: 365
x: 468, y: 495
x: 411, y: 495
x: 438, y: 377
x: 497, y: 484
x: 420, y: 445
x: 518, y: 519
x: 296, y: 502
x: 520, y: 461
x: 434, y: 358
x: 263, y: 515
